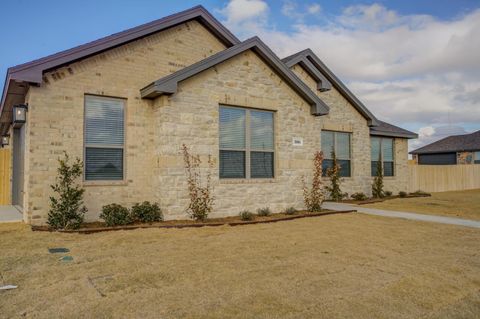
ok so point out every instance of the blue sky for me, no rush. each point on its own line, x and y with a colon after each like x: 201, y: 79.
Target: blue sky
x: 402, y: 58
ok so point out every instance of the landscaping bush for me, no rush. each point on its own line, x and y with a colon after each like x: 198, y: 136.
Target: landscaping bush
x: 333, y: 173
x: 115, y: 215
x: 263, y: 211
x: 359, y: 196
x: 388, y: 193
x: 246, y: 215
x: 67, y: 210
x: 421, y: 193
x: 402, y: 194
x: 146, y: 213
x: 377, y: 186
x: 201, y: 194
x: 313, y: 197
x: 290, y: 211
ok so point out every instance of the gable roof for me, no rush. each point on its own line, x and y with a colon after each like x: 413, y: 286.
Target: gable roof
x: 32, y: 72
x: 307, y: 56
x: 387, y: 129
x: 168, y: 84
x: 455, y: 143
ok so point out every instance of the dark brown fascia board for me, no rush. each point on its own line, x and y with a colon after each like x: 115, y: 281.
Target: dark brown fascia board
x: 393, y: 134
x: 32, y: 72
x: 168, y: 85
x: 309, y: 55
x: 322, y: 83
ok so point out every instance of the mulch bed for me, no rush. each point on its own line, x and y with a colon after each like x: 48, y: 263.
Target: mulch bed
x: 379, y: 200
x: 89, y: 228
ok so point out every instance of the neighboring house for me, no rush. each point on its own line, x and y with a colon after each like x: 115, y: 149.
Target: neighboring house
x: 456, y: 149
x: 126, y: 103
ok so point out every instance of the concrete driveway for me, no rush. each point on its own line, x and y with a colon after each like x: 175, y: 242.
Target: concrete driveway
x: 9, y: 214
x: 405, y: 215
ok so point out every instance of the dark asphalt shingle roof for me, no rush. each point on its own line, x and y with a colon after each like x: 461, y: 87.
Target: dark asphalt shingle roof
x: 387, y: 129
x: 455, y: 143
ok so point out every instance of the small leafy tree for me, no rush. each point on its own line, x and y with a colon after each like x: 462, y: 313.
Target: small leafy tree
x: 377, y: 186
x: 66, y: 208
x: 201, y: 198
x: 313, y: 197
x: 333, y: 173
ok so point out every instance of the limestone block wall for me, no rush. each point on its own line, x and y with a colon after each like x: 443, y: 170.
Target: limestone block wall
x: 56, y: 114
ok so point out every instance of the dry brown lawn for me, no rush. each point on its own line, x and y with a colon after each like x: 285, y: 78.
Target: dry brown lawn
x: 339, y: 266
x: 462, y: 204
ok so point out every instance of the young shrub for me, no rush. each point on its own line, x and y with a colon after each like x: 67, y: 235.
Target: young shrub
x: 359, y: 196
x: 402, y: 194
x: 146, y: 212
x: 421, y: 193
x: 333, y: 173
x: 201, y: 198
x: 388, y: 193
x: 263, y: 211
x: 290, y: 211
x: 377, y: 186
x: 313, y: 197
x: 115, y: 215
x: 66, y: 208
x: 246, y: 215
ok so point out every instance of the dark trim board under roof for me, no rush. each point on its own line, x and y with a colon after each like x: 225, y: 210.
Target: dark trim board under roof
x: 168, y: 84
x: 456, y: 143
x: 308, y: 56
x: 387, y: 129
x: 19, y: 77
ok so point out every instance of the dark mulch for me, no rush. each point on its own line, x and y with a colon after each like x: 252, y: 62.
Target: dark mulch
x: 96, y: 227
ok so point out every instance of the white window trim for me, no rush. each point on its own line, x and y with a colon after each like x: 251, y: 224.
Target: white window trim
x: 329, y: 156
x: 381, y: 138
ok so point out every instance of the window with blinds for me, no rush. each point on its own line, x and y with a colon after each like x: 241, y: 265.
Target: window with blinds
x: 104, y: 138
x: 382, y: 154
x: 246, y: 143
x: 338, y: 142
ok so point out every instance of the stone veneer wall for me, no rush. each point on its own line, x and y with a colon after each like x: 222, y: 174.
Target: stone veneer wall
x: 56, y: 108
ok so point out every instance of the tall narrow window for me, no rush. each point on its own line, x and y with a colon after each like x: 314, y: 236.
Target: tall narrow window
x: 339, y: 142
x: 246, y: 143
x: 104, y: 138
x: 382, y: 154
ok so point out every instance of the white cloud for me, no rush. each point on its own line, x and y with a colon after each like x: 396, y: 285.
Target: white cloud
x: 412, y: 70
x: 245, y: 16
x: 314, y: 8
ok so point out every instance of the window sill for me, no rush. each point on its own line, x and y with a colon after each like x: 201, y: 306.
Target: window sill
x: 104, y: 183
x: 248, y: 181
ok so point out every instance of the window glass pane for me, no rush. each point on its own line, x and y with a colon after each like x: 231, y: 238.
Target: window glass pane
x: 477, y: 158
x: 342, y: 148
x: 326, y: 164
x: 387, y: 168
x: 232, y: 128
x: 375, y: 148
x: 103, y: 163
x: 104, y: 121
x: 261, y: 164
x: 344, y: 168
x: 232, y: 164
x: 374, y: 167
x: 387, y: 149
x: 261, y: 125
x: 327, y: 143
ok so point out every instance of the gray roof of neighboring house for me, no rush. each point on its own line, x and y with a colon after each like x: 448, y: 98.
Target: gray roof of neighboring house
x: 168, y: 84
x: 19, y: 77
x: 455, y: 143
x: 306, y: 57
x: 387, y: 129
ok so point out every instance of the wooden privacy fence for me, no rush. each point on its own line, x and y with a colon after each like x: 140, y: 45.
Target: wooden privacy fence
x: 442, y: 178
x: 5, y: 176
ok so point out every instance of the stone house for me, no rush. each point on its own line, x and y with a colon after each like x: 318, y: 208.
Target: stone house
x: 126, y: 103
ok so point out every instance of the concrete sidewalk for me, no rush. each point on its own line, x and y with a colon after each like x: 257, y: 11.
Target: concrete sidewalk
x: 405, y: 215
x: 9, y: 214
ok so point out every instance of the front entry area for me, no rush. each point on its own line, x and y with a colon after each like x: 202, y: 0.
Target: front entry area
x: 18, y: 166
